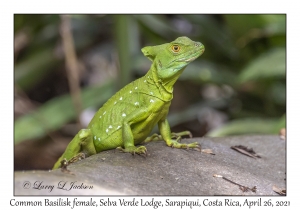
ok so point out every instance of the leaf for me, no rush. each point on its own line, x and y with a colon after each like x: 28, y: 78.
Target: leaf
x: 267, y: 24
x: 43, y: 56
x: 157, y: 24
x: 198, y: 71
x: 191, y: 112
x: 246, y: 151
x: 56, y: 112
x: 277, y: 92
x: 249, y: 126
x: 269, y: 65
x: 123, y: 39
x: 279, y: 190
x: 213, y: 34
x: 207, y: 151
x: 236, y: 23
x: 204, y: 71
x: 38, y: 65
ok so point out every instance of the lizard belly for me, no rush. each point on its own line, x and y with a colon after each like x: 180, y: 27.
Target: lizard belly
x: 138, y: 104
x: 140, y: 130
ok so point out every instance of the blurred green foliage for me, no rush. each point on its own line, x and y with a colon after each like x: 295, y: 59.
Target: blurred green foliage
x: 244, y: 65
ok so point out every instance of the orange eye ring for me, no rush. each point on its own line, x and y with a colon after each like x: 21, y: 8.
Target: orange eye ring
x: 175, y: 48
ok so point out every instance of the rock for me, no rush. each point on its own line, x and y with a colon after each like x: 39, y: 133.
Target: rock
x: 168, y: 171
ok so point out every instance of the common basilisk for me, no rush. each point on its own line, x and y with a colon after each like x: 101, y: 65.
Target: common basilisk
x: 129, y: 116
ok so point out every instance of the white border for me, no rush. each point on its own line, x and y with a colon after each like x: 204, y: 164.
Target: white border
x: 154, y: 6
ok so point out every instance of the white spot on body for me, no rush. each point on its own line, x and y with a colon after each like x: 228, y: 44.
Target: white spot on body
x: 136, y: 88
x: 118, y: 127
x: 104, y: 113
x: 130, y: 91
x: 151, y: 101
x: 145, y: 81
x: 99, y: 139
x: 123, y: 115
x: 121, y: 98
x: 151, y: 93
x: 95, y: 137
x: 110, y: 126
x: 136, y: 103
x: 100, y: 116
x: 106, y: 130
x: 115, y: 102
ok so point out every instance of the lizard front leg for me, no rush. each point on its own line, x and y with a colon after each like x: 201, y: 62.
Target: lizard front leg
x: 165, y: 131
x: 81, y: 144
x: 128, y: 140
x: 127, y: 135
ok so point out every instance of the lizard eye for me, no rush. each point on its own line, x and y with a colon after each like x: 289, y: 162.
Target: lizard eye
x: 175, y: 48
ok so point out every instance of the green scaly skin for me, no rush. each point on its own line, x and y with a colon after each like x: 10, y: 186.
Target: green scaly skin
x: 128, y: 117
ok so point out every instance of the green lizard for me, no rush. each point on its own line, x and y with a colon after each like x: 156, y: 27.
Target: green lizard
x: 128, y: 117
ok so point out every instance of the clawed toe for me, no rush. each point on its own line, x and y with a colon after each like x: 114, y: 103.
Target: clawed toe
x: 120, y: 149
x: 141, y: 150
x: 134, y: 150
x: 176, y: 144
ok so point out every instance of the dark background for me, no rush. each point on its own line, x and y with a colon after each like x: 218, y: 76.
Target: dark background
x: 238, y: 86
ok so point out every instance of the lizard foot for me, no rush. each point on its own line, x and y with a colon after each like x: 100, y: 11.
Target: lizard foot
x: 176, y: 144
x: 134, y: 150
x: 154, y: 137
x: 178, y: 136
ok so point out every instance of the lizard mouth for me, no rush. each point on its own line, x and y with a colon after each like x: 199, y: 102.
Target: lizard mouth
x: 193, y: 57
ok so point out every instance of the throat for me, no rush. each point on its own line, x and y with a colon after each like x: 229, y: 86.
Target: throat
x: 164, y: 91
x: 168, y: 84
x: 167, y: 91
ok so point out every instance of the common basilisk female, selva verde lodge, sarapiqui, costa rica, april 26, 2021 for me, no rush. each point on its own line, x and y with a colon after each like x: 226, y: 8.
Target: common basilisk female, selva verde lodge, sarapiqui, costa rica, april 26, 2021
x: 129, y: 116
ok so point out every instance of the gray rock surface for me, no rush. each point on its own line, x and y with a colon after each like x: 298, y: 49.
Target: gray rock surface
x: 168, y: 171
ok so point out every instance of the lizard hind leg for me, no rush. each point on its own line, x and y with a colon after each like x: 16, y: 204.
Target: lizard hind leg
x: 81, y: 146
x: 128, y: 140
x: 165, y: 131
x: 177, y: 136
x: 87, y: 142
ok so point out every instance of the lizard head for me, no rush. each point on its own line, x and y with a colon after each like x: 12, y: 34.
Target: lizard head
x: 170, y: 59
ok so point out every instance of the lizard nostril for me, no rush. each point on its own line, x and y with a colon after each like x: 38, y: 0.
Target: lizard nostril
x: 197, y: 44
